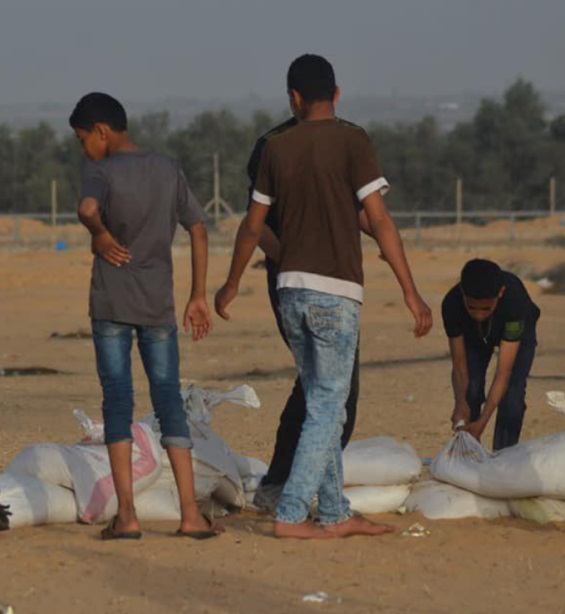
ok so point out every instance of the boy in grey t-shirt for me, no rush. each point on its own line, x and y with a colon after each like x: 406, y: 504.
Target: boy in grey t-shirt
x: 131, y: 202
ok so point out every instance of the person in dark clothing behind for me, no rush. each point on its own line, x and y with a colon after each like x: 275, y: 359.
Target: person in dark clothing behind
x: 294, y: 412
x: 490, y: 308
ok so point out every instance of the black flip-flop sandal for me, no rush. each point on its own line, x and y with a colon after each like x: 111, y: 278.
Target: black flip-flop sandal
x: 110, y: 532
x: 213, y: 531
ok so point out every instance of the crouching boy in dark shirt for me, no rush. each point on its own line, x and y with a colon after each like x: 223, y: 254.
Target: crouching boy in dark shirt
x: 131, y: 203
x: 490, y: 308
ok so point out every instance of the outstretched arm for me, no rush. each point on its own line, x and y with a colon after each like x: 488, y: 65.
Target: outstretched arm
x: 459, y: 380
x: 197, y: 314
x: 506, y: 359
x: 103, y: 243
x: 248, y: 236
x: 384, y: 231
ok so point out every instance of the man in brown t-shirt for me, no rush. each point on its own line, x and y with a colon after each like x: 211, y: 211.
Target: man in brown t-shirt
x: 315, y: 175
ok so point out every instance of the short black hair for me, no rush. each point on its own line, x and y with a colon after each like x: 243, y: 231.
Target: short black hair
x: 481, y: 279
x: 312, y: 76
x: 99, y: 108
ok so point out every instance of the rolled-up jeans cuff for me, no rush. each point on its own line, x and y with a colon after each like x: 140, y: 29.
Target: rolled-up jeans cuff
x: 117, y: 439
x: 177, y: 442
x: 343, y: 519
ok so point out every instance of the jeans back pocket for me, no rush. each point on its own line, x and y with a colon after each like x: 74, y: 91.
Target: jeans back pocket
x: 325, y: 322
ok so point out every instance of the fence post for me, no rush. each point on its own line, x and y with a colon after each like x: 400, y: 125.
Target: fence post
x: 459, y: 205
x: 552, y: 196
x: 513, y: 227
x: 16, y: 231
x: 53, y: 202
x: 418, y: 229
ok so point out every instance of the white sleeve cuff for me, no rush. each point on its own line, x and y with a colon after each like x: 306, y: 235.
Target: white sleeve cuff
x: 379, y: 185
x: 262, y: 198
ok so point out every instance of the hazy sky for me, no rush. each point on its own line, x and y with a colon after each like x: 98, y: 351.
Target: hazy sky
x: 144, y: 50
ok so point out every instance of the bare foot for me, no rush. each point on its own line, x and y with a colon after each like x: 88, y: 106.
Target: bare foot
x: 301, y: 530
x: 358, y: 525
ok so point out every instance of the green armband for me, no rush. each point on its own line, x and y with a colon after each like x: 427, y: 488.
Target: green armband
x: 513, y: 331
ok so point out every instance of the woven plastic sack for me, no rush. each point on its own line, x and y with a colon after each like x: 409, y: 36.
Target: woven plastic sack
x: 438, y: 500
x: 380, y: 461
x: 376, y: 499
x: 34, y: 502
x: 531, y: 469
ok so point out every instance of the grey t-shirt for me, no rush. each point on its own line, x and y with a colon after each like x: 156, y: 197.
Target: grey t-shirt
x: 142, y: 196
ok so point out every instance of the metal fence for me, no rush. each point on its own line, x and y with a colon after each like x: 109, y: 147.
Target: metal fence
x: 426, y: 229
x: 444, y: 228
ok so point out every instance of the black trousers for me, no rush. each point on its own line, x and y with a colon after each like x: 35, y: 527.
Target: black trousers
x: 512, y: 407
x: 294, y: 412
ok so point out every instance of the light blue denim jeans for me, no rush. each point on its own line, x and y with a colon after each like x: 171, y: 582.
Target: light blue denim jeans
x: 322, y: 330
x: 158, y: 347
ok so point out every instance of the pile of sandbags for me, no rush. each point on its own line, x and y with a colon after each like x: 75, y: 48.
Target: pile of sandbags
x: 378, y: 474
x: 220, y: 474
x: 534, y: 468
x: 524, y: 481
x: 50, y: 482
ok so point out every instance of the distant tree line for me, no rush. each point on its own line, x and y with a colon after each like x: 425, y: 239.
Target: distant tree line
x: 505, y: 156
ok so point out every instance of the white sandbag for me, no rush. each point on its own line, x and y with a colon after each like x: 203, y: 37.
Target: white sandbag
x: 34, y: 502
x: 538, y: 509
x: 530, y: 469
x: 161, y: 500
x: 93, y: 485
x: 380, y: 461
x: 44, y: 461
x: 556, y: 398
x: 199, y: 402
x: 210, y: 451
x: 438, y: 500
x: 248, y: 466
x: 213, y: 462
x: 251, y: 471
x: 251, y: 483
x: 376, y: 499
x: 158, y: 502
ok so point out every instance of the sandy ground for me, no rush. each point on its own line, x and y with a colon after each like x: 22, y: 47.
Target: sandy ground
x: 467, y: 567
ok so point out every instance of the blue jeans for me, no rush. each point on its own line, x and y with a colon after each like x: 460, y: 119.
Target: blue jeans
x: 322, y: 332
x: 512, y: 407
x: 158, y: 347
x: 294, y: 411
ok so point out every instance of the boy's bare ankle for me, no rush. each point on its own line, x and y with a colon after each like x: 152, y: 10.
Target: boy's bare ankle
x: 127, y: 520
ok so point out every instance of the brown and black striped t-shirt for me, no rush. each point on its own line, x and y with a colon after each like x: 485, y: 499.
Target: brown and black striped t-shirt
x: 315, y: 174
